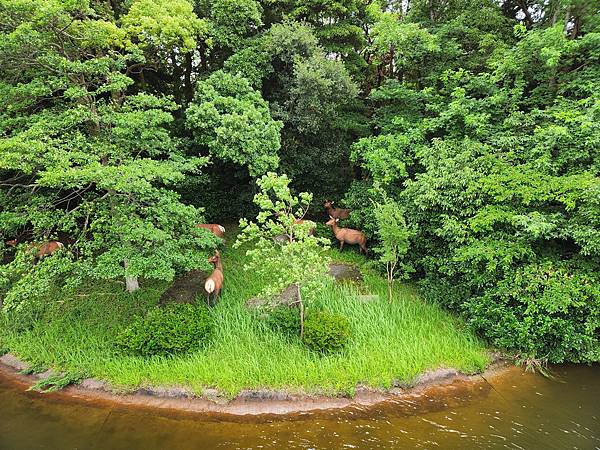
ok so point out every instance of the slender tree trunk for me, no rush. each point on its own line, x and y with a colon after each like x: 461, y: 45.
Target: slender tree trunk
x: 131, y: 283
x: 390, y: 281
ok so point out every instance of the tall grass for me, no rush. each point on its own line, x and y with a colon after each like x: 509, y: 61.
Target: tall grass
x: 391, y: 342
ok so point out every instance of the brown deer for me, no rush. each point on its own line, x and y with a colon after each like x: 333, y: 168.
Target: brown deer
x: 311, y: 230
x: 41, y: 250
x: 336, y: 213
x: 348, y: 235
x: 214, y: 282
x: 282, y: 238
x: 214, y: 228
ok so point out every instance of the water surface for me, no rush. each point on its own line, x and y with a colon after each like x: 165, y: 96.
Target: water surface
x: 515, y: 410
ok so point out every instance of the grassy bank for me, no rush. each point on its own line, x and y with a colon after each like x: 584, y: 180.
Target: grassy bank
x: 390, y: 342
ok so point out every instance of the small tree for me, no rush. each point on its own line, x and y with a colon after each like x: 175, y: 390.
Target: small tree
x: 394, y: 235
x: 300, y: 261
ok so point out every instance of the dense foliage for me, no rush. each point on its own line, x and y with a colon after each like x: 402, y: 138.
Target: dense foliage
x: 326, y: 332
x: 476, y: 123
x: 176, y: 328
x: 285, y: 321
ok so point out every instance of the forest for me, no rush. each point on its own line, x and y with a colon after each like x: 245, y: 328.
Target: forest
x: 463, y: 136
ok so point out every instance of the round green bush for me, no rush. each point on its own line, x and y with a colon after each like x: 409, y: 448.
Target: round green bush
x: 176, y: 328
x: 284, y: 320
x: 326, y: 332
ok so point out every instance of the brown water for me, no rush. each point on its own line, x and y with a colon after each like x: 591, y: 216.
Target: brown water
x: 517, y: 410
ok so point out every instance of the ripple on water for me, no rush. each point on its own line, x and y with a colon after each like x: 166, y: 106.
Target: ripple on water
x: 522, y: 411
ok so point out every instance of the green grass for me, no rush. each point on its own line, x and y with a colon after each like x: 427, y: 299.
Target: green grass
x: 391, y: 341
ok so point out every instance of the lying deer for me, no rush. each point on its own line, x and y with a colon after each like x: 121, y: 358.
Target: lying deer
x: 348, y: 235
x: 43, y: 249
x: 214, y: 282
x: 214, y: 228
x: 337, y: 213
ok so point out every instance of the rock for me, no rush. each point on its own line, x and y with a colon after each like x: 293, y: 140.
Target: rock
x: 185, y: 289
x: 13, y: 362
x: 163, y: 391
x: 345, y: 272
x: 368, y: 298
x: 47, y: 374
x: 437, y: 376
x: 94, y: 384
x: 288, y: 298
x: 263, y: 395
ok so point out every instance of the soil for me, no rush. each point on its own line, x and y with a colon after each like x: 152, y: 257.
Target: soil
x: 185, y: 289
x: 252, y: 402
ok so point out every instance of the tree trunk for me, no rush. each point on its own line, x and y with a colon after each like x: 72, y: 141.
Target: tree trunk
x: 301, y: 311
x: 390, y: 281
x: 131, y: 283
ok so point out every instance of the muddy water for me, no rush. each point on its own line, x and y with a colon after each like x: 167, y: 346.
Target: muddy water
x: 513, y: 410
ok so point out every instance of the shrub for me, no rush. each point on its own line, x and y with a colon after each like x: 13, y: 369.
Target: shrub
x: 326, y: 332
x: 549, y: 311
x: 284, y: 320
x: 176, y: 328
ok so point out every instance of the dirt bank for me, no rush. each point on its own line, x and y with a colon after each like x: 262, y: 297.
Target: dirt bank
x: 250, y: 403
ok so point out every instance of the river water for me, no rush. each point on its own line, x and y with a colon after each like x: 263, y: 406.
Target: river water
x: 513, y: 410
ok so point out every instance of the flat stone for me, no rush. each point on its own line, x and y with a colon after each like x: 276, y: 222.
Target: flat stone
x: 13, y: 362
x: 368, y: 298
x: 345, y: 272
x: 263, y: 395
x: 47, y: 374
x: 437, y: 376
x: 163, y: 391
x: 93, y: 384
x: 288, y: 297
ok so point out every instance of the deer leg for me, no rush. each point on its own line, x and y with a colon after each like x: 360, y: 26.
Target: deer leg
x: 341, y: 245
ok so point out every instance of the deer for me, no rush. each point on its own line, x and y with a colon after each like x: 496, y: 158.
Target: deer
x: 337, y: 213
x: 214, y: 228
x: 347, y: 235
x: 43, y: 249
x: 285, y: 238
x: 214, y: 282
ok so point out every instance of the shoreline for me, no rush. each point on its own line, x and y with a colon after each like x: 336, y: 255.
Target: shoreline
x: 248, y: 402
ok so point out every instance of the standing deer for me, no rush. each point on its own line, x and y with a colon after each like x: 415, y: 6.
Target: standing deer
x: 214, y: 228
x: 214, y: 282
x: 336, y: 213
x: 348, y: 235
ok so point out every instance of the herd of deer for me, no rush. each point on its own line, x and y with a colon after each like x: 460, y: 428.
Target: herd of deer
x: 214, y: 282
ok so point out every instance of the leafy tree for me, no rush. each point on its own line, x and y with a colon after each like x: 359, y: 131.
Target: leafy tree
x: 498, y: 198
x: 81, y: 156
x: 393, y: 235
x: 315, y: 99
x: 232, y: 121
x: 300, y: 261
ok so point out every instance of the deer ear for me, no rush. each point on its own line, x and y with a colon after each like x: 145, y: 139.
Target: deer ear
x: 331, y: 217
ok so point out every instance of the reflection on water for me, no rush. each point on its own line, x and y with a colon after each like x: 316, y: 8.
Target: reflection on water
x: 517, y: 410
